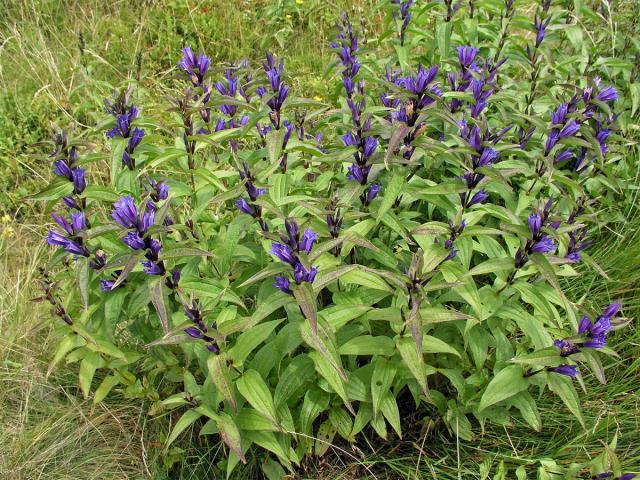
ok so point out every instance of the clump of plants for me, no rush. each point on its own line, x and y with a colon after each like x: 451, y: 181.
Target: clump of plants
x: 283, y: 272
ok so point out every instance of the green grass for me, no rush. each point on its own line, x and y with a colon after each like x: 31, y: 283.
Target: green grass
x: 47, y: 431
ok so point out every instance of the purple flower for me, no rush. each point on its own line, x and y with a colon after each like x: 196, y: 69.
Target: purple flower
x: 535, y: 223
x: 612, y: 309
x: 488, y: 156
x: 308, y: 238
x: 135, y: 139
x: 466, y: 55
x: 566, y: 347
x: 559, y: 117
x: 282, y: 284
x: 253, y: 191
x: 194, y: 332
x: 350, y: 139
x: 552, y: 139
x: 370, y: 145
x: 567, y: 370
x: 563, y: 156
x: 134, y: 241
x: 596, y: 341
x: 61, y: 168
x: 570, y: 129
x: 540, y: 29
x: 69, y: 237
x: 372, y: 192
x: 195, y: 66
x: 359, y: 174
x: 71, y: 203
x: 106, y: 285
x: 301, y: 274
x: 284, y: 253
x: 607, y: 94
x: 79, y: 183
x: 125, y: 212
x: 479, y: 197
x: 544, y: 245
x: 153, y: 268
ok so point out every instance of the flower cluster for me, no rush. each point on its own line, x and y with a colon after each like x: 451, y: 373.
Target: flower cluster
x: 473, y: 75
x: 539, y: 242
x: 590, y: 335
x: 422, y: 93
x: 405, y: 15
x: 64, y: 165
x: 359, y: 137
x: 484, y: 156
x: 577, y: 237
x: 234, y: 83
x: 334, y: 223
x: 126, y: 214
x: 124, y: 114
x: 278, y: 90
x: 200, y: 330
x: 254, y: 192
x: 194, y: 66
x: 71, y: 234
x: 288, y: 252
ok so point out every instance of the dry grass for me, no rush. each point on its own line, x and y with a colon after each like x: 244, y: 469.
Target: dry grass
x: 46, y: 430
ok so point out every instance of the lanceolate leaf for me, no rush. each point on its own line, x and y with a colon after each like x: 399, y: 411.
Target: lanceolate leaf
x: 186, y: 420
x: 307, y: 303
x: 220, y: 375
x: 252, y: 387
x: 157, y: 298
x: 508, y: 382
x: 563, y: 387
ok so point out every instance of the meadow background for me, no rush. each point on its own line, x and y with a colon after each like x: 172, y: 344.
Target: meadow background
x: 55, y: 56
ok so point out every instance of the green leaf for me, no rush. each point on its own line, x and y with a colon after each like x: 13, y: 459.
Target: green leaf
x: 492, y: 265
x: 274, y: 145
x: 295, y: 376
x: 82, y: 279
x: 391, y: 192
x: 249, y: 340
x: 547, y: 357
x: 96, y: 192
x: 186, y: 420
x: 435, y: 345
x: 368, y: 345
x: 307, y: 301
x: 253, y: 388
x: 390, y: 410
x: 414, y: 362
x: 366, y: 279
x: 381, y: 381
x: 68, y: 343
x: 88, y: 367
x: 55, y: 191
x: 508, y: 382
x: 269, y: 441
x: 562, y: 386
x: 528, y: 409
x: 328, y: 276
x: 132, y: 261
x: 326, y: 434
x: 330, y: 374
x: 227, y: 429
x: 220, y: 375
x: 547, y: 272
x: 157, y: 299
x: 105, y: 387
x: 183, y: 252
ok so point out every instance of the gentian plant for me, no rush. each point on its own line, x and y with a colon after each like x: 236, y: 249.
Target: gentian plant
x: 405, y: 250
